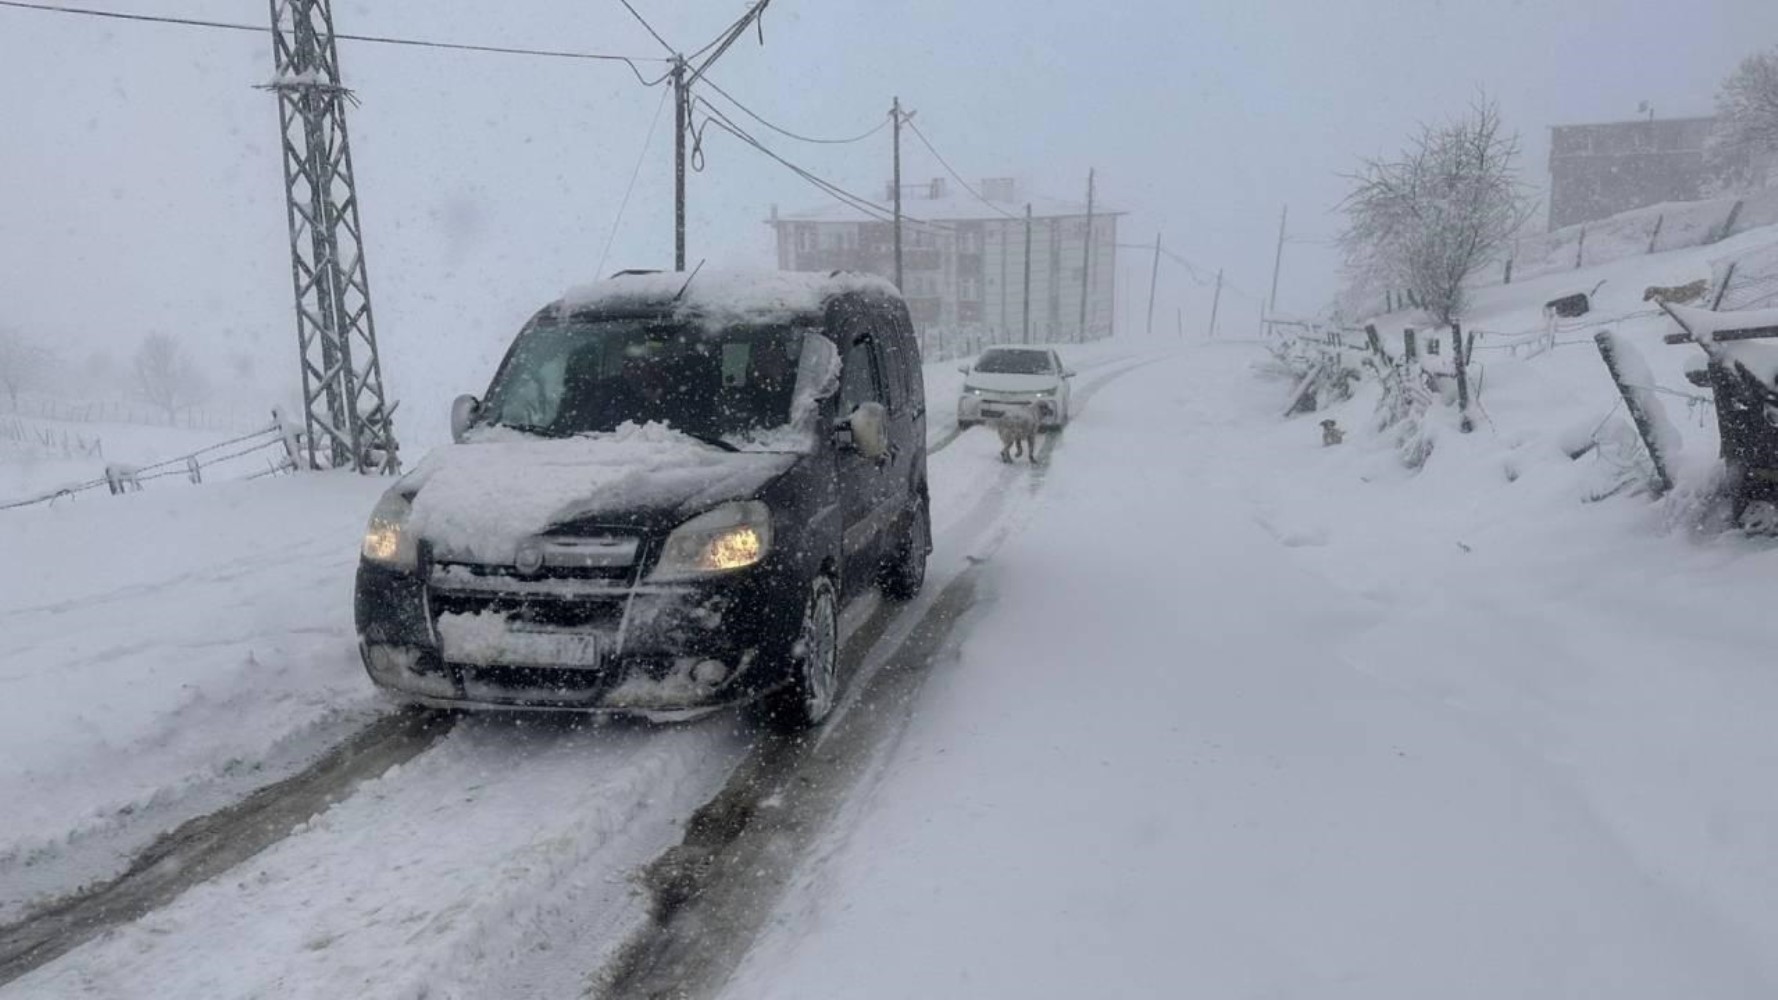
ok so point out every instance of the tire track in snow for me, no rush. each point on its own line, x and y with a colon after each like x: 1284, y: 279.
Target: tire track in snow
x: 210, y: 845
x: 717, y: 888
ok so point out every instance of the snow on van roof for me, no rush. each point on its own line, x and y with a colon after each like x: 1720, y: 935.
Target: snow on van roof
x: 724, y: 296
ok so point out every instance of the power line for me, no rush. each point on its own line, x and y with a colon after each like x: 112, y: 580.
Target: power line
x: 863, y: 205
x: 648, y: 27
x: 909, y: 121
x: 625, y: 204
x: 749, y: 112
x: 190, y: 22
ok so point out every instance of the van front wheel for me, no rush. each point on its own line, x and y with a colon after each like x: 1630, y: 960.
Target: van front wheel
x: 809, y: 695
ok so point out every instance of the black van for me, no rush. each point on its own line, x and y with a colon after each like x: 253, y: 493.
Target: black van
x: 670, y: 489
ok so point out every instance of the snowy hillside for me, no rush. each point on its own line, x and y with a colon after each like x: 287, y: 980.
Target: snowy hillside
x: 1543, y: 389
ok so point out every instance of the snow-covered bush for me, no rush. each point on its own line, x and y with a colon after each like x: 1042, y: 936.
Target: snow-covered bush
x: 1430, y: 218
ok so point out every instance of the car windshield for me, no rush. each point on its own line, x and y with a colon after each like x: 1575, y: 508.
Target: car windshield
x: 1015, y: 363
x: 567, y: 376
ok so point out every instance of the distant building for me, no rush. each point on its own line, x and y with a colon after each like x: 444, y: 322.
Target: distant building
x: 963, y: 262
x: 1600, y: 170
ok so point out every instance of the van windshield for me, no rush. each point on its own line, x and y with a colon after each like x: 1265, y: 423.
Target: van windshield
x: 568, y: 376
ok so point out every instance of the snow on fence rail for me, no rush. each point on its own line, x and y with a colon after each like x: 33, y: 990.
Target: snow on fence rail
x: 280, y: 442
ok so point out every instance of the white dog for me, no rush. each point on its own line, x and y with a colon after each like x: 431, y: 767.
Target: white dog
x: 1017, y: 428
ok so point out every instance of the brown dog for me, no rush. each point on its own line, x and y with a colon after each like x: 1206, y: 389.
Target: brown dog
x: 1017, y: 428
x: 1677, y: 293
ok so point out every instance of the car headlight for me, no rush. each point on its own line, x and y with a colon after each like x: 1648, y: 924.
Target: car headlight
x: 970, y: 390
x: 1043, y: 393
x: 387, y: 541
x: 730, y: 537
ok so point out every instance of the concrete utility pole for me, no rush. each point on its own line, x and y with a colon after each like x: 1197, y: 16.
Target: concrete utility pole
x: 681, y: 110
x: 682, y: 85
x: 895, y: 116
x: 1027, y: 272
x: 1215, y: 302
x: 1086, y: 259
x: 346, y: 415
x: 1154, y: 278
x: 1277, y: 262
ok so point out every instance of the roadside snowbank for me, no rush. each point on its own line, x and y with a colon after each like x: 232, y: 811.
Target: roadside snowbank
x: 166, y: 652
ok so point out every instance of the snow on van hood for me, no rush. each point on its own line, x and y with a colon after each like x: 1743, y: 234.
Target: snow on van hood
x: 477, y: 501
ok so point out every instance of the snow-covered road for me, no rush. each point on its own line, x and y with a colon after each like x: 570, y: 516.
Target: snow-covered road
x: 500, y: 861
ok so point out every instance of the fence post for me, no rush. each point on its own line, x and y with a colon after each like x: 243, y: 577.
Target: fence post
x: 193, y: 469
x: 1728, y: 278
x: 1509, y: 272
x: 1459, y: 358
x: 1728, y: 224
x: 1626, y: 366
x: 1410, y: 349
x: 1656, y: 235
x: 1580, y: 249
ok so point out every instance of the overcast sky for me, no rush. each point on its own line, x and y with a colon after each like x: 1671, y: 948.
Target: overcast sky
x: 141, y: 185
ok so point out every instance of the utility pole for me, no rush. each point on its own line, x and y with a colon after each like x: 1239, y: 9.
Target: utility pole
x: 1277, y: 262
x: 346, y: 415
x: 1027, y: 272
x: 1215, y: 302
x: 1086, y: 259
x: 682, y: 85
x: 1154, y: 278
x: 680, y: 110
x: 895, y: 116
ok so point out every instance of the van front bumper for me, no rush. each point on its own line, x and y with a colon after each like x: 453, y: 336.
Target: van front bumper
x: 471, y: 641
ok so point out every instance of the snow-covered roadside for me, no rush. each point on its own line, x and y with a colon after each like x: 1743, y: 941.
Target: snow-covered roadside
x: 166, y: 652
x: 1279, y: 734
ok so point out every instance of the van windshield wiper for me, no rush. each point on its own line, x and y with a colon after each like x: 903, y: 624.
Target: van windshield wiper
x: 709, y: 439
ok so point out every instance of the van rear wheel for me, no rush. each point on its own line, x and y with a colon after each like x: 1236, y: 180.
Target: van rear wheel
x: 905, y: 572
x: 809, y: 695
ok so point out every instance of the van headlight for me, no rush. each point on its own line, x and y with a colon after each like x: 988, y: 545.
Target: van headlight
x: 388, y: 542
x: 730, y: 537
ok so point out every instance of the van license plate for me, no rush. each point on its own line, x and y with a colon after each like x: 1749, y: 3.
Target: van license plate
x: 521, y: 648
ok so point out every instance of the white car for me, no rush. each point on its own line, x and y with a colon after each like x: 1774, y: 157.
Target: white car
x: 1007, y: 377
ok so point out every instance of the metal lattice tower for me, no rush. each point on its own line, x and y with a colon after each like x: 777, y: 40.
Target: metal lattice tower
x: 346, y: 412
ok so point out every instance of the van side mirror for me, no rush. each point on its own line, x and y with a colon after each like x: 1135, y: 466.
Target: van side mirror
x: 963, y: 368
x: 866, y: 431
x: 465, y: 411
x: 1068, y: 373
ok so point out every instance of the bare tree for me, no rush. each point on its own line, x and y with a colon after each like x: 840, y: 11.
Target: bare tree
x: 1746, y: 118
x: 22, y: 364
x: 166, y: 376
x: 1428, y: 219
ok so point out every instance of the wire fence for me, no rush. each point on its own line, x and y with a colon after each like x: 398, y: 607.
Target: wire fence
x: 126, y: 411
x: 280, y: 443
